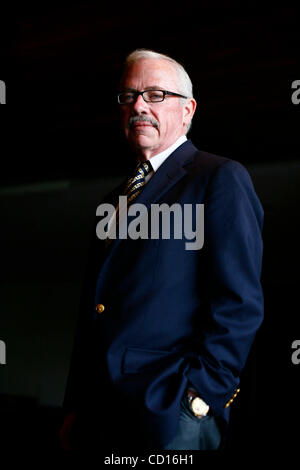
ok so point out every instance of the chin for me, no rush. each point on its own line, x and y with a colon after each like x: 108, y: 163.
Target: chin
x: 142, y: 142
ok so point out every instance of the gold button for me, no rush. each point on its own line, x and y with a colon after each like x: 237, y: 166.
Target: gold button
x: 100, y: 308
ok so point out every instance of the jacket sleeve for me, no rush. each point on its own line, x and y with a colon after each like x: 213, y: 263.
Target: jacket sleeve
x: 233, y: 253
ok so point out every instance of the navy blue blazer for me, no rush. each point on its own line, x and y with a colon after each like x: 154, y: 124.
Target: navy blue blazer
x: 173, y: 316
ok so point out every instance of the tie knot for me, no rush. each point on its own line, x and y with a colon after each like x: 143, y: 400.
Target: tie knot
x: 145, y: 168
x: 136, y: 183
x: 142, y: 170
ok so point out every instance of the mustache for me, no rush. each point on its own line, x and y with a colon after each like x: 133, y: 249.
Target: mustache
x: 143, y: 118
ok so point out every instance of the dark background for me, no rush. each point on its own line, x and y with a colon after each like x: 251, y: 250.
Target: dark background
x: 62, y: 150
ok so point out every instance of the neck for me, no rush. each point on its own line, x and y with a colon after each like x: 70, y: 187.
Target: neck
x: 144, y: 154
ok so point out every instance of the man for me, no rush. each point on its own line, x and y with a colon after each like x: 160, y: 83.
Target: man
x: 164, y: 331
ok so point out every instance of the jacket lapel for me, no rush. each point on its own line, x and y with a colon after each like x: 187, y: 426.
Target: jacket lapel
x: 169, y: 173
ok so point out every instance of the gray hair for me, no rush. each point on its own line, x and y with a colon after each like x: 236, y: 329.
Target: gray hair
x: 185, y: 86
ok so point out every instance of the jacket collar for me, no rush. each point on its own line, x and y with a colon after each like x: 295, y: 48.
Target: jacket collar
x: 168, y: 174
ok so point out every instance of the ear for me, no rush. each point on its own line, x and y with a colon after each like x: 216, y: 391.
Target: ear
x: 189, y: 108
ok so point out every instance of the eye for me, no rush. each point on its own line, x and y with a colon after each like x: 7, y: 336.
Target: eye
x: 127, y: 97
x: 154, y: 95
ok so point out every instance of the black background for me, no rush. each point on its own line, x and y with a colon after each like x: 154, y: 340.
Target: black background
x: 62, y: 150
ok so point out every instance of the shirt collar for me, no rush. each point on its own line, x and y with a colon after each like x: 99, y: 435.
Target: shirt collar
x: 158, y: 159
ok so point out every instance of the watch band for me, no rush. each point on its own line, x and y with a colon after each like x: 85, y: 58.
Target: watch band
x: 198, y: 406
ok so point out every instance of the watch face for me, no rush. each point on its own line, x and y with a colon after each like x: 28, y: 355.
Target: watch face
x: 199, y: 407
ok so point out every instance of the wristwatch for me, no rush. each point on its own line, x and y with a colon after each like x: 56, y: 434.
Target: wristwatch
x: 197, y: 405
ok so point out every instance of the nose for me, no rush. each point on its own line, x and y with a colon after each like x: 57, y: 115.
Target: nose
x: 140, y: 105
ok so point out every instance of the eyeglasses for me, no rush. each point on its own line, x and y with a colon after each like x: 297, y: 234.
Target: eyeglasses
x: 150, y: 96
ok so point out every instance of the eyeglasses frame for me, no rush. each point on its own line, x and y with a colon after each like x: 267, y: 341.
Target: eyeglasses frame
x: 138, y: 93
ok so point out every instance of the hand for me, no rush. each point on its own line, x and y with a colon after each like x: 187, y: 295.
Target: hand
x: 66, y: 431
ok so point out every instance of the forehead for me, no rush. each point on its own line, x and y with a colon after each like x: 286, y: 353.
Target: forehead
x: 150, y: 72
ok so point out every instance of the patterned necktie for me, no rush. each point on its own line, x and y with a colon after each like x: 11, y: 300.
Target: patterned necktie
x: 133, y: 188
x: 136, y: 183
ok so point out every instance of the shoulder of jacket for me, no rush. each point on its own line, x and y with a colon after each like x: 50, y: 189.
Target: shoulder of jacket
x: 204, y: 167
x: 208, y: 162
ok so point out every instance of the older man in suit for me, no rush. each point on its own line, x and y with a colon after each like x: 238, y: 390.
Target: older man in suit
x: 164, y: 331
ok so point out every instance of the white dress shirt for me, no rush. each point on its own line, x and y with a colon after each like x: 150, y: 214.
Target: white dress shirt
x: 158, y: 159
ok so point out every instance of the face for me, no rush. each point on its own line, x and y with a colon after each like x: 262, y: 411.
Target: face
x: 167, y: 119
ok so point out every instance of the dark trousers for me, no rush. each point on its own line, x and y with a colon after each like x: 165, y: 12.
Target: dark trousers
x: 114, y: 433
x: 194, y: 433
